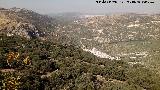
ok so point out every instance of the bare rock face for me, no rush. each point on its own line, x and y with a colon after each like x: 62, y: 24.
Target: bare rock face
x: 25, y: 23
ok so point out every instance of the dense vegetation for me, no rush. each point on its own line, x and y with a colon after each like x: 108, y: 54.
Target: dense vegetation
x: 43, y: 65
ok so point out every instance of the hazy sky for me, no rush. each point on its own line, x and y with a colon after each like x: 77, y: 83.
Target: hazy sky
x: 84, y: 6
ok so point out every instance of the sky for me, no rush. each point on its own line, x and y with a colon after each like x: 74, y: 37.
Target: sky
x: 82, y: 6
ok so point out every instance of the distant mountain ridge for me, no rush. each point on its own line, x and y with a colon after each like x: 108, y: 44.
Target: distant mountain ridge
x: 106, y: 34
x: 102, y: 35
x: 25, y: 23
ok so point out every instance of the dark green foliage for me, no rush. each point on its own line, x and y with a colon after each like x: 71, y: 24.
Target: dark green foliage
x: 31, y: 82
x: 55, y: 66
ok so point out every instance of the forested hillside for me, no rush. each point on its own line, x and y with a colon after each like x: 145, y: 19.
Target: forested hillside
x: 35, y: 64
x: 39, y: 53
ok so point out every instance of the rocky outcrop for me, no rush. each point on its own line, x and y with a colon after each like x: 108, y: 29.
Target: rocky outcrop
x: 25, y: 23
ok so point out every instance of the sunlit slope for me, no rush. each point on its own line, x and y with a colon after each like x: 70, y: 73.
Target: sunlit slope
x: 131, y: 37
